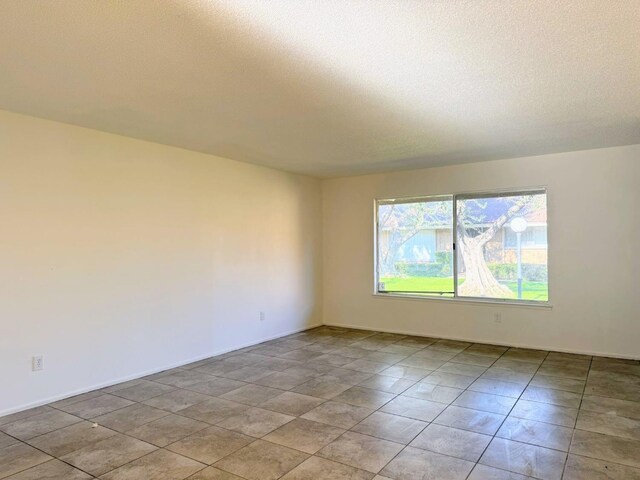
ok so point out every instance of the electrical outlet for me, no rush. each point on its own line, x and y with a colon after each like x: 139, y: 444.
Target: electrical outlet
x: 37, y: 363
x: 262, y: 316
x: 497, y: 318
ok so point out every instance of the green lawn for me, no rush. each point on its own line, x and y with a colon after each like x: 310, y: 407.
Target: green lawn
x: 530, y: 290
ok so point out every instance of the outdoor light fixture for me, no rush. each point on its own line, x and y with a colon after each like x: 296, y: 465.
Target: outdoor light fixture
x: 519, y: 225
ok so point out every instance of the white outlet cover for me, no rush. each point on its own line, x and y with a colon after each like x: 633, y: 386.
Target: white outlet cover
x: 37, y: 363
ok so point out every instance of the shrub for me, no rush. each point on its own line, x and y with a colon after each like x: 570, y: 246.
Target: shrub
x: 509, y: 271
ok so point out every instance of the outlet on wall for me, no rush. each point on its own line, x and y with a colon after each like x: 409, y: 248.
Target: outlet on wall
x: 37, y: 363
x: 262, y: 316
x: 497, y: 318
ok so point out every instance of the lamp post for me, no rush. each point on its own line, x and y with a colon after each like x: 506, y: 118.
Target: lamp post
x: 519, y: 225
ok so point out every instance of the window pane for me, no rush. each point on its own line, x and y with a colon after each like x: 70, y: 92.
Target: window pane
x: 415, y: 247
x: 502, y: 247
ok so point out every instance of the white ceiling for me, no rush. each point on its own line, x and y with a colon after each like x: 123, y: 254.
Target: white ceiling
x: 332, y: 87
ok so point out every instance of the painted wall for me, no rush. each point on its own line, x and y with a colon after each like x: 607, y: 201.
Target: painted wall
x: 120, y: 257
x: 594, y: 250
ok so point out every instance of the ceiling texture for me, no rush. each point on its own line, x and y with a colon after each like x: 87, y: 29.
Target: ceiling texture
x: 332, y: 87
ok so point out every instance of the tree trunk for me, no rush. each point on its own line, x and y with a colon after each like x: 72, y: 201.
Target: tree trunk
x: 479, y: 281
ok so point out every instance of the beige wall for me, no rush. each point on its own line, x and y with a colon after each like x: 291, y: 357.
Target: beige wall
x: 120, y: 257
x: 593, y: 278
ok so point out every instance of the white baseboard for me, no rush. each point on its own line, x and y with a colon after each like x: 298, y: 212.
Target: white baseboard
x: 109, y: 383
x: 489, y: 342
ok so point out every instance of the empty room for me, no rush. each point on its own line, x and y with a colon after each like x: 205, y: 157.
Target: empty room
x: 320, y: 239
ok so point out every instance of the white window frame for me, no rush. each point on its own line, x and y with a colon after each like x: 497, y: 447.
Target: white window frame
x: 454, y: 198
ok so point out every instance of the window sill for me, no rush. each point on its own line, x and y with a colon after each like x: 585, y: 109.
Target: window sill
x: 473, y: 301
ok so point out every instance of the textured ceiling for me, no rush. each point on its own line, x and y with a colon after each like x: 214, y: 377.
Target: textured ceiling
x: 332, y: 87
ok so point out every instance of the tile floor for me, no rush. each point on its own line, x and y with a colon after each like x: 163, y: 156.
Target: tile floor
x: 337, y: 404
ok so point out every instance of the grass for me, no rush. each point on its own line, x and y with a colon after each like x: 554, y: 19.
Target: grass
x: 530, y: 290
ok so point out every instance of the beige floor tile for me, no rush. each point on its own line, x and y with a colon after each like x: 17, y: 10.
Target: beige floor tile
x: 25, y: 414
x: 304, y: 435
x: 612, y: 406
x: 409, y: 373
x: 462, y: 369
x: 515, y: 365
x: 524, y: 459
x: 212, y: 473
x: 216, y: 386
x: 182, y: 378
x: 483, y: 472
x: 609, y: 424
x: 558, y: 383
x: 262, y: 461
x: 167, y: 430
x: 387, y: 384
x: 623, y: 387
x: 566, y: 370
x: 448, y: 379
x: 424, y: 410
x: 350, y: 377
x: 256, y: 422
x: 251, y: 394
x: 433, y: 393
x: 364, y: 397
x: 526, y: 354
x: 474, y: 359
x: 214, y: 410
x: 140, y: 392
x: 316, y: 468
x: 210, y: 445
x: 338, y: 414
x: 361, y: 451
x: 96, y: 406
x: 554, y: 397
x: 283, y: 381
x: 487, y: 350
x: 103, y: 456
x: 497, y: 387
x: 176, y: 400
x: 452, y: 441
x: 583, y: 468
x: 469, y: 419
x: 385, y: 357
x: 18, y: 457
x: 122, y: 385
x: 536, y: 433
x: 36, y: 425
x: 367, y: 365
x: 6, y: 440
x: 51, y: 470
x: 77, y: 398
x: 544, y: 412
x: 606, y: 447
x: 485, y: 402
x: 413, y: 463
x: 323, y: 387
x: 418, y: 361
x: 333, y: 359
x: 507, y: 375
x: 130, y: 417
x: 292, y: 403
x: 159, y: 465
x: 71, y: 438
x: 390, y: 427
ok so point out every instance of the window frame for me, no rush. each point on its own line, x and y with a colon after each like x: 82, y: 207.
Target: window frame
x: 454, y: 198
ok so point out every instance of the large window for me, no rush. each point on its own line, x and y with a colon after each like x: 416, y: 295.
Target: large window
x: 491, y: 246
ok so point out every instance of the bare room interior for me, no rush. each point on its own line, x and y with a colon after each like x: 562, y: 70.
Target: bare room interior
x: 319, y: 240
